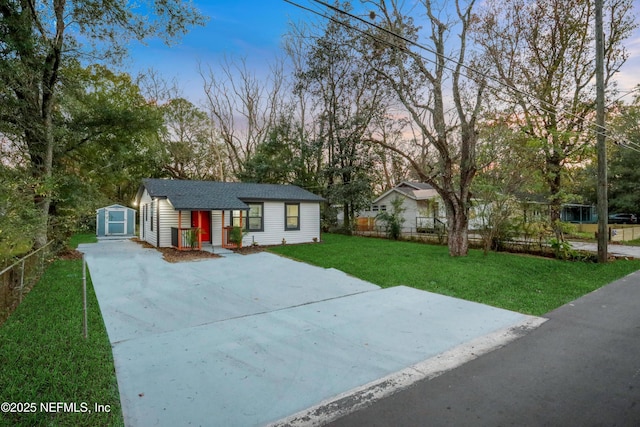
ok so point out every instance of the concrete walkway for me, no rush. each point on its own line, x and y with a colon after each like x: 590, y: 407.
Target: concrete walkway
x: 259, y: 339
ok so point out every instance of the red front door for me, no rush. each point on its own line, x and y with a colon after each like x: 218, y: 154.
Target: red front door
x: 202, y: 219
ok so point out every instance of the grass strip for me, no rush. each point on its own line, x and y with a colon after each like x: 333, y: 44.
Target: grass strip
x: 526, y: 284
x: 76, y: 239
x: 44, y: 357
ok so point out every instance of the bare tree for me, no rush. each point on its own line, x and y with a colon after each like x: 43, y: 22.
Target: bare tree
x: 542, y: 55
x: 430, y: 81
x: 243, y: 107
x: 344, y: 96
x: 390, y: 168
x: 193, y: 148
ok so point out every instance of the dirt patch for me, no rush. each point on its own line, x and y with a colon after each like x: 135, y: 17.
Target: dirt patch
x: 70, y: 254
x: 246, y: 250
x: 174, y: 255
x: 143, y: 243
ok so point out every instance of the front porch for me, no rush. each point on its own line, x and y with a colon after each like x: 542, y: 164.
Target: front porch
x: 191, y: 238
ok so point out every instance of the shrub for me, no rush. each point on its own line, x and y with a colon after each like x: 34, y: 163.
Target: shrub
x: 393, y: 219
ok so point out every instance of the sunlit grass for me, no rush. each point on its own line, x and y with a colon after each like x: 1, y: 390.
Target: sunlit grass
x: 522, y: 283
x: 44, y: 357
x: 77, y: 239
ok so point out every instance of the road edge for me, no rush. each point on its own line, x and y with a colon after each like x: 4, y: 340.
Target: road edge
x: 353, y: 400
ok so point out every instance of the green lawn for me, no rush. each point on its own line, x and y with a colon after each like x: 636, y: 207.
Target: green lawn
x: 76, y: 239
x: 520, y: 283
x: 635, y: 242
x: 44, y: 358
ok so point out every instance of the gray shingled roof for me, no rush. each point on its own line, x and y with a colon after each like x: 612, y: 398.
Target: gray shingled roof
x: 210, y: 195
x: 408, y: 187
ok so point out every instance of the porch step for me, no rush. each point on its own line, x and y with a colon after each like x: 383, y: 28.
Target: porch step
x: 219, y: 250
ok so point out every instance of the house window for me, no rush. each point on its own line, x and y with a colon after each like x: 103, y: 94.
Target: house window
x: 292, y: 216
x: 375, y: 208
x: 235, y: 218
x: 144, y: 219
x: 255, y: 220
x: 152, y: 212
x: 383, y: 208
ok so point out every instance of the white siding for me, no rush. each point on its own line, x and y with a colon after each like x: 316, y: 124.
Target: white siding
x: 169, y: 218
x: 145, y: 220
x: 412, y: 209
x: 274, y: 230
x: 273, y: 217
x: 216, y: 227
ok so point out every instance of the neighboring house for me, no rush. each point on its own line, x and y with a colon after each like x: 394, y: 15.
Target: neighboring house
x: 423, y: 208
x: 170, y: 211
x: 578, y: 213
x: 537, y: 208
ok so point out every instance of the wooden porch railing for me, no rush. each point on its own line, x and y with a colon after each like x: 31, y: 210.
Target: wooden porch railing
x: 226, y: 239
x: 186, y: 239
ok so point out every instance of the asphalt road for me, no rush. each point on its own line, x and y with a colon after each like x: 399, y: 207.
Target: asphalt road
x: 580, y: 368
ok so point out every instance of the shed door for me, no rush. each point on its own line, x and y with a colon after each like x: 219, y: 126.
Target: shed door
x: 116, y: 221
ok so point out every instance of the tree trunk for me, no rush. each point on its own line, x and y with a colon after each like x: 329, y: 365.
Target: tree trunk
x: 45, y: 140
x: 457, y: 225
x: 346, y: 225
x: 554, y: 169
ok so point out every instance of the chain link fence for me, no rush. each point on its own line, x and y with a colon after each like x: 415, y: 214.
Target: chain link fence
x: 17, y: 279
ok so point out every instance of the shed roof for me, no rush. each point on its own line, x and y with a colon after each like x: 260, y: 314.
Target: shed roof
x: 211, y: 195
x: 116, y: 206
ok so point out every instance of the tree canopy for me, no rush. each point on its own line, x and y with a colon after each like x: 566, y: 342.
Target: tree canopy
x: 482, y: 100
x: 39, y: 40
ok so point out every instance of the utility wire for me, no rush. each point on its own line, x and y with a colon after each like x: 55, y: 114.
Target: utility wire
x: 471, y: 69
x: 542, y: 104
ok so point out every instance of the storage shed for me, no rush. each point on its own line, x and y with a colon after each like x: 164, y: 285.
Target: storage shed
x: 115, y: 220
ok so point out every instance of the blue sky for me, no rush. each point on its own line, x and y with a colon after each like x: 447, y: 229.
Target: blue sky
x: 253, y: 29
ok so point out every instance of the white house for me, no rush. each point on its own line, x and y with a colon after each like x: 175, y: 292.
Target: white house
x: 173, y: 212
x: 423, y: 208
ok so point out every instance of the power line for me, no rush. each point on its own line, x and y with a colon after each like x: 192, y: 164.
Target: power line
x: 531, y: 96
x: 542, y: 104
x: 624, y: 94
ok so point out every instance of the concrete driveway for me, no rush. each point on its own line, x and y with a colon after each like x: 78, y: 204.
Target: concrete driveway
x: 260, y: 339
